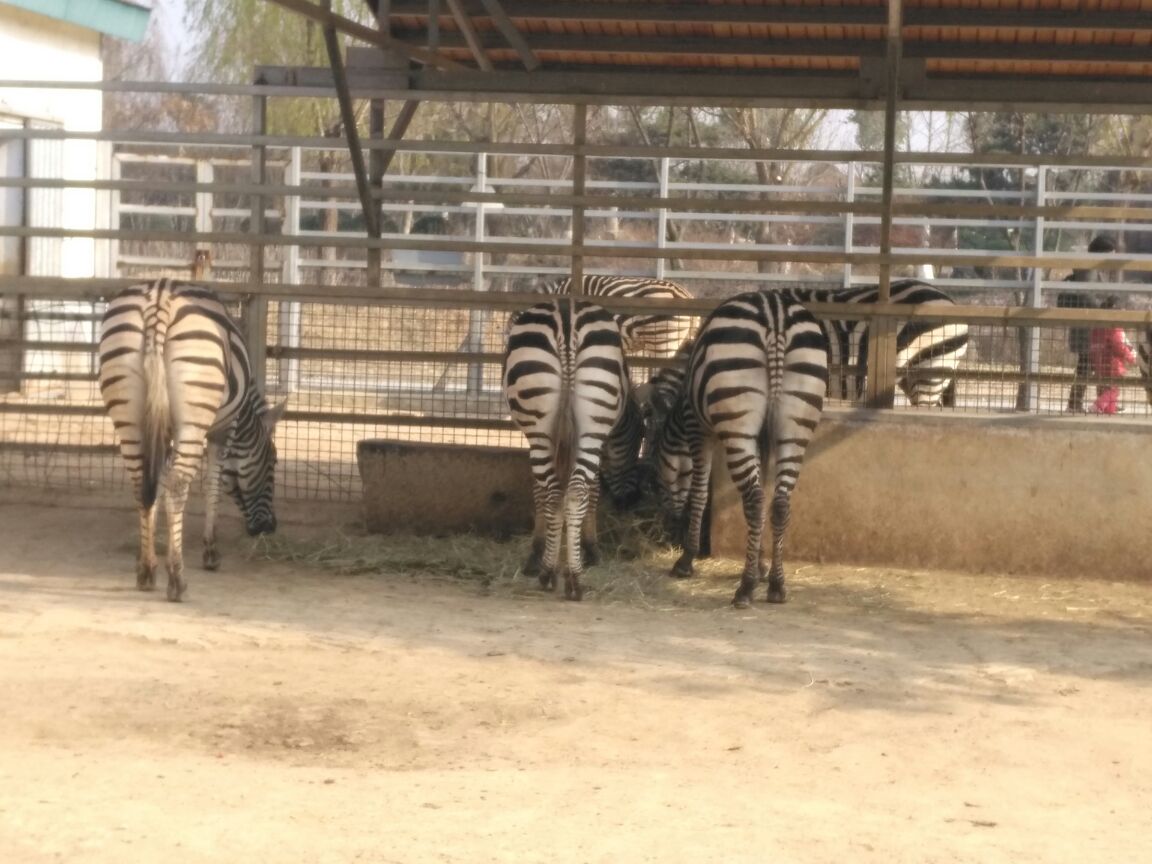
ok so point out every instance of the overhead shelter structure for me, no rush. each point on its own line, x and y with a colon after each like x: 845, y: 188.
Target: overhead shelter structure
x: 888, y: 55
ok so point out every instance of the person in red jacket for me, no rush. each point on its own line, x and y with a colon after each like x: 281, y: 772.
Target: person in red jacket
x: 1111, y: 355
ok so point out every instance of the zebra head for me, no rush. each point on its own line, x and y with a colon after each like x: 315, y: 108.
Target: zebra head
x: 671, y: 462
x: 248, y: 466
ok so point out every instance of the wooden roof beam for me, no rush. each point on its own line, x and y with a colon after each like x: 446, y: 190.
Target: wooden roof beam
x: 348, y: 120
x: 704, y: 46
x: 357, y: 30
x: 671, y: 13
x: 471, y: 37
x: 511, y: 34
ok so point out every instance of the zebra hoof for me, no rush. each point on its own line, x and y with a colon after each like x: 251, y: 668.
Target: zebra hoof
x: 776, y: 592
x: 573, y: 591
x: 176, y: 590
x: 145, y: 577
x: 683, y: 568
x: 211, y: 558
x: 547, y: 581
x: 741, y: 600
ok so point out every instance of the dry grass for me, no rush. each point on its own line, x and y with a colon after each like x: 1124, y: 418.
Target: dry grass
x: 633, y: 569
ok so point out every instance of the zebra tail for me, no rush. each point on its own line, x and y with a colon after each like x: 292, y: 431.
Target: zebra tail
x: 156, y: 423
x: 565, y: 428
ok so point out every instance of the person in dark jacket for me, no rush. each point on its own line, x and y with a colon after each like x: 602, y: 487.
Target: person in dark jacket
x: 1079, y: 338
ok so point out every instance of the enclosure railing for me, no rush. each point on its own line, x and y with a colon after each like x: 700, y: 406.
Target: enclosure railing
x: 469, y: 228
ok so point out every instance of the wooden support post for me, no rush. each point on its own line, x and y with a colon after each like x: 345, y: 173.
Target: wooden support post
x: 255, y: 312
x: 579, y: 189
x: 882, y: 331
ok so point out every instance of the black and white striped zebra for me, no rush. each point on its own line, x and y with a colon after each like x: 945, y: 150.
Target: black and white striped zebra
x: 567, y: 385
x: 754, y: 385
x: 927, y: 352
x: 647, y: 334
x: 176, y: 381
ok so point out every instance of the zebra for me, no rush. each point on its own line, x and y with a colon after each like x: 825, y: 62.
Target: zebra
x: 754, y: 384
x: 927, y: 352
x: 568, y: 389
x: 177, y: 384
x: 650, y: 334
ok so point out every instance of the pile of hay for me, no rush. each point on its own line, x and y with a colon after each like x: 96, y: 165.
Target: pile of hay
x: 633, y: 569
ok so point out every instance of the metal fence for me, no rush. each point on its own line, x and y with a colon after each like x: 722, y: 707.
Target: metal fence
x: 400, y: 336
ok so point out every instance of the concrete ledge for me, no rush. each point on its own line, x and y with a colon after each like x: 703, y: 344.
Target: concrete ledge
x: 1056, y: 496
x: 445, y: 488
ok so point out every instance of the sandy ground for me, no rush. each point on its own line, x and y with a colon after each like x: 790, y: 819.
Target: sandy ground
x: 288, y: 713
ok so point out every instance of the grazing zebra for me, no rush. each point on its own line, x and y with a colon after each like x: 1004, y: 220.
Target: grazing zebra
x: 755, y: 385
x: 651, y: 334
x: 567, y: 385
x: 175, y: 379
x: 927, y: 352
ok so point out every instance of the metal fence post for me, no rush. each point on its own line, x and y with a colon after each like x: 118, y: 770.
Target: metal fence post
x: 849, y: 222
x: 256, y: 304
x: 579, y: 189
x: 477, y: 318
x: 288, y: 312
x: 1028, y: 395
x: 662, y: 217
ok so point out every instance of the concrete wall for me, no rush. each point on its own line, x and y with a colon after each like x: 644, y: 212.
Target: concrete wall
x: 1051, y: 496
x: 1048, y: 496
x: 445, y: 488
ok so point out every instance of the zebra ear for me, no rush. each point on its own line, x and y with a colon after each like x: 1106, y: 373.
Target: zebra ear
x: 272, y: 416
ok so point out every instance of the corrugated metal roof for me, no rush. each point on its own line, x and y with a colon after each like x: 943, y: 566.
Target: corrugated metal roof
x: 1087, y: 43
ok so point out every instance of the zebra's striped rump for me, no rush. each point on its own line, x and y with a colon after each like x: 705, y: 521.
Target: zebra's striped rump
x: 566, y: 382
x: 754, y: 386
x: 648, y: 334
x: 176, y: 382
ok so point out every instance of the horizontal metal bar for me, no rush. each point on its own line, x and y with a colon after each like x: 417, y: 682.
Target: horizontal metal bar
x: 612, y: 249
x: 55, y: 447
x: 358, y: 355
x: 564, y: 149
x: 397, y: 420
x: 50, y: 408
x: 1011, y: 316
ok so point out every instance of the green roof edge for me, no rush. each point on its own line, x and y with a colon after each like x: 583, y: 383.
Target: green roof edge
x: 119, y: 18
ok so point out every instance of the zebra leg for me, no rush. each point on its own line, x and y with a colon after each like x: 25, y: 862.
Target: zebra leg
x: 576, y: 509
x: 211, y: 557
x: 744, y: 466
x: 781, y: 510
x: 539, y: 529
x: 698, y: 499
x: 146, y: 558
x: 554, y: 529
x: 175, y: 497
x: 589, y: 544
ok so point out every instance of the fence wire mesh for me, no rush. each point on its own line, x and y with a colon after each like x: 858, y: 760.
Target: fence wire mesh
x: 352, y: 371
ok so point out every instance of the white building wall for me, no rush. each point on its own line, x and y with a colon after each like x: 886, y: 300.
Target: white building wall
x: 35, y: 47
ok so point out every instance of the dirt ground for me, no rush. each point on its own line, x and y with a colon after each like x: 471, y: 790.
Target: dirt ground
x: 292, y: 711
